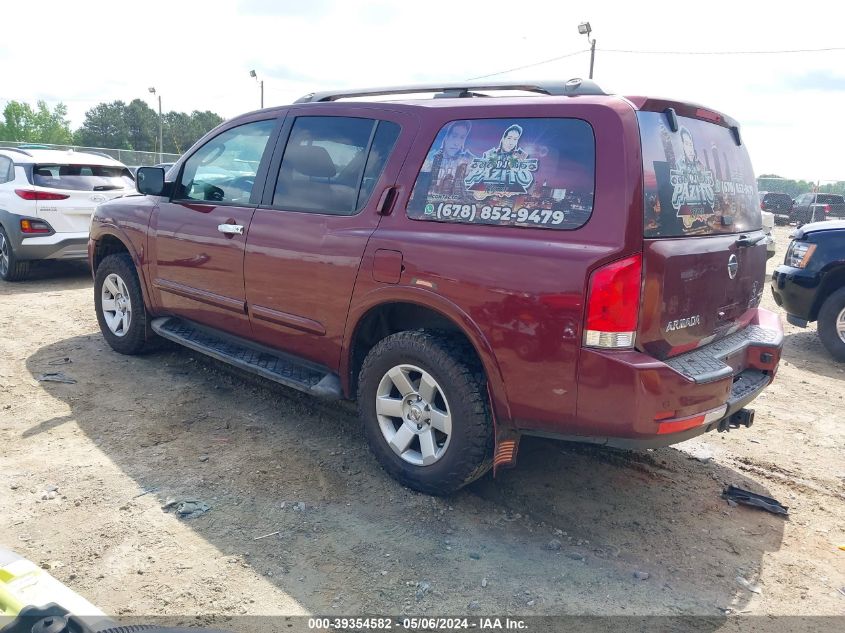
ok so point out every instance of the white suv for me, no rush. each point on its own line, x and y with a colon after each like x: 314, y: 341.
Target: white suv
x: 47, y: 198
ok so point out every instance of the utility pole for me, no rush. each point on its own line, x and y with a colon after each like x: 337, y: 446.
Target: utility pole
x: 160, y: 128
x: 585, y: 29
x: 261, y: 83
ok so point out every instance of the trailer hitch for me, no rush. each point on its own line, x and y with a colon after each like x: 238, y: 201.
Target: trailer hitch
x: 743, y: 417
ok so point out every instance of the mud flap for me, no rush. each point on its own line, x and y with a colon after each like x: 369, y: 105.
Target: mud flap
x: 506, y: 441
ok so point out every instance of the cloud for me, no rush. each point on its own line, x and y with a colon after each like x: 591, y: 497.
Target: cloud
x: 818, y: 80
x: 292, y: 8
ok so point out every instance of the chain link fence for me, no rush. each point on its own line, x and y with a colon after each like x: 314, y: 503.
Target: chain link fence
x: 128, y: 157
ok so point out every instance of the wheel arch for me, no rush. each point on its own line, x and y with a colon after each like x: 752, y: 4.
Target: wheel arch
x: 387, y: 311
x: 833, y: 280
x: 109, y: 242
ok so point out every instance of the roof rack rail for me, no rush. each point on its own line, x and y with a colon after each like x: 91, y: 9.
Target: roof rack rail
x: 16, y: 149
x: 571, y: 88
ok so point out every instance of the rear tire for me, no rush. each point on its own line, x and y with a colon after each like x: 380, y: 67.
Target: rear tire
x: 119, y: 305
x: 455, y: 391
x: 11, y: 269
x: 831, y: 325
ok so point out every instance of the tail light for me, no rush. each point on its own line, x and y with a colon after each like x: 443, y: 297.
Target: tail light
x: 613, y: 304
x: 29, y: 194
x: 826, y: 209
x: 31, y: 227
x: 762, y: 206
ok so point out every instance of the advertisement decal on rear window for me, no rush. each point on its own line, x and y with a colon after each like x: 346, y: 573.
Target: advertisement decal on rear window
x: 698, y: 181
x: 520, y: 172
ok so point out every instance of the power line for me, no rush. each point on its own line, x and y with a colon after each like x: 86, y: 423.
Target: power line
x: 775, y: 52
x: 545, y: 61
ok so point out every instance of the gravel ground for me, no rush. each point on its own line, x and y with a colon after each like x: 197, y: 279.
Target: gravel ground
x: 573, y: 530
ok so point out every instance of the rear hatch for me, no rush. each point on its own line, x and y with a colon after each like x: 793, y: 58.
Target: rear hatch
x: 704, y: 252
x: 69, y: 193
x: 779, y: 203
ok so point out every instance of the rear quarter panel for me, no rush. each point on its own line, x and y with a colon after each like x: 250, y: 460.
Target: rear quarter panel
x: 520, y: 290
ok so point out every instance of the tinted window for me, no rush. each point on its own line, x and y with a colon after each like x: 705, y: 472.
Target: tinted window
x: 697, y: 180
x: 223, y: 170
x: 82, y: 177
x: 324, y: 164
x: 6, y: 168
x: 515, y: 172
x: 383, y: 142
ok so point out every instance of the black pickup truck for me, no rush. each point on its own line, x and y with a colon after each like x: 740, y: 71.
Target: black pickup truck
x: 810, y: 284
x: 815, y: 207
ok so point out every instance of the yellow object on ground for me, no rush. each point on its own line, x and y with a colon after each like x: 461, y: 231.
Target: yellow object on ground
x: 24, y: 584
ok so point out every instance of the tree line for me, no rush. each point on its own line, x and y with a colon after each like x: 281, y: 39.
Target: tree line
x: 777, y: 184
x: 118, y: 125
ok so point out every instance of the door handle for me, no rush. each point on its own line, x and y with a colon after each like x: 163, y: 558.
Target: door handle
x: 231, y: 229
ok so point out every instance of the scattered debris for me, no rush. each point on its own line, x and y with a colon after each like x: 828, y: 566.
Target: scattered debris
x: 842, y: 547
x: 475, y: 556
x: 56, y: 376
x: 188, y: 508
x: 753, y: 587
x: 531, y: 603
x: 553, y: 545
x: 258, y: 538
x: 474, y: 605
x: 300, y: 506
x: 423, y: 588
x: 60, y: 361
x: 484, y: 583
x: 203, y: 458
x: 732, y: 493
x: 575, y: 556
x: 14, y: 486
x: 642, y: 575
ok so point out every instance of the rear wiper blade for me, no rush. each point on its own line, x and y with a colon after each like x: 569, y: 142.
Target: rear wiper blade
x: 107, y: 187
x: 745, y: 240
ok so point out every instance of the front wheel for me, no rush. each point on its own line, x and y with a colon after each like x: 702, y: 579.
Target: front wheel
x: 120, y: 306
x: 832, y: 324
x: 423, y: 400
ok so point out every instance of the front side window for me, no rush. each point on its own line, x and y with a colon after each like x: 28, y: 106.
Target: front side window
x: 331, y: 164
x: 224, y: 169
x: 514, y: 172
x: 82, y: 177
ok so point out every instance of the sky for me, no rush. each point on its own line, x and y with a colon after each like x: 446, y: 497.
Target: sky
x: 198, y: 56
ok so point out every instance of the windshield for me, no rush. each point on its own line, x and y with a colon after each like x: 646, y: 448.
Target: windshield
x: 82, y: 177
x: 697, y: 181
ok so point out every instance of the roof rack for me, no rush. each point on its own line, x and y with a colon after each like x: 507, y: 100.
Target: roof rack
x: 571, y: 88
x: 16, y: 149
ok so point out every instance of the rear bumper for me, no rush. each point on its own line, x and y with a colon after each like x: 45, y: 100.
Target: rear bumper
x: 630, y: 399
x: 55, y: 246
x: 794, y: 290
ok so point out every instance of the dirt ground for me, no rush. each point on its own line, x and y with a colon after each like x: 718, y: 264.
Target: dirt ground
x: 133, y: 433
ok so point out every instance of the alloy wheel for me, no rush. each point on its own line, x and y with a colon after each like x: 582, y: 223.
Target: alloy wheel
x: 840, y: 325
x: 4, y: 255
x: 116, y: 305
x: 413, y: 415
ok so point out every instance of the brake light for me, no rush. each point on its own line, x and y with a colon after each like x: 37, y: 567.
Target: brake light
x: 762, y: 206
x: 29, y: 194
x: 613, y: 304
x: 34, y: 226
x: 827, y: 208
x: 708, y: 115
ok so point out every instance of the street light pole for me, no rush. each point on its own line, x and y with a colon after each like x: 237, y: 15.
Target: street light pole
x: 261, y: 83
x: 160, y: 128
x: 585, y: 29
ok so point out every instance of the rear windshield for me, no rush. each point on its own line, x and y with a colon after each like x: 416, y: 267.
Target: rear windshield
x: 828, y: 199
x: 82, y: 177
x: 777, y: 197
x: 697, y: 181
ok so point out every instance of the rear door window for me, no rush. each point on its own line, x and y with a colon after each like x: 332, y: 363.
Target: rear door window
x: 331, y: 164
x: 512, y: 172
x: 82, y: 177
x: 697, y: 181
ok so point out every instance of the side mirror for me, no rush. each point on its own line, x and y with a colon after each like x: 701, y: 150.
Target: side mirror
x: 150, y: 181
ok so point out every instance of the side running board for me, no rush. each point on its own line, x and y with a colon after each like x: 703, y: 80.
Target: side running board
x: 279, y: 367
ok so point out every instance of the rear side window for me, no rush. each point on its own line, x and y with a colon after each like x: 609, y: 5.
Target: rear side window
x: 331, y: 164
x: 82, y: 177
x: 513, y: 172
x: 697, y: 180
x: 6, y: 169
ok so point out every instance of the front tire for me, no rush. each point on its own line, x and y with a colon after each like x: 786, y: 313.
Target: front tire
x: 120, y: 306
x: 422, y: 397
x: 11, y: 269
x: 831, y: 325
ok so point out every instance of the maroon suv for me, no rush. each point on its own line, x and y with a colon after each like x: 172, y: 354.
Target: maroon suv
x: 569, y: 264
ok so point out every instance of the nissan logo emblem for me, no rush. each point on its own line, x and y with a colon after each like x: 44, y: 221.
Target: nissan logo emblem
x: 733, y: 266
